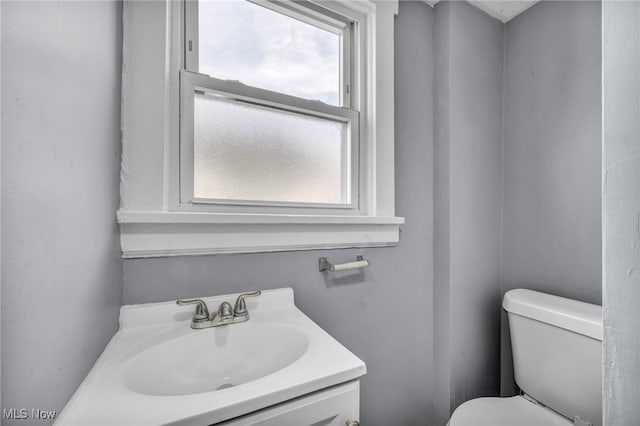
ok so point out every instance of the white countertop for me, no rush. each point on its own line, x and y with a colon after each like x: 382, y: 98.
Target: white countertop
x: 105, y: 397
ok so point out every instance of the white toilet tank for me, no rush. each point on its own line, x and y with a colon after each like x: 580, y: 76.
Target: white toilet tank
x: 557, y: 352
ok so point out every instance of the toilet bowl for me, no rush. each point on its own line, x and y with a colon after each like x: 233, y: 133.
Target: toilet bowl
x: 556, y: 346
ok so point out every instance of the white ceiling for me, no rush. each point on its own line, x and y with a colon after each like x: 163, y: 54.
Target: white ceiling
x: 504, y: 10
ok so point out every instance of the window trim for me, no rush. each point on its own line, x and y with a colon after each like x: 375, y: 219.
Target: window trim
x: 150, y: 222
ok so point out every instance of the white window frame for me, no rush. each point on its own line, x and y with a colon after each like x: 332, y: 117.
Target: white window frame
x: 155, y: 221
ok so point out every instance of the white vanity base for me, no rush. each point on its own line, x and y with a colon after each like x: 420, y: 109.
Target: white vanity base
x: 329, y: 407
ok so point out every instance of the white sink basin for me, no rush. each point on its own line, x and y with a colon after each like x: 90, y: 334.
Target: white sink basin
x: 215, y: 359
x: 157, y: 370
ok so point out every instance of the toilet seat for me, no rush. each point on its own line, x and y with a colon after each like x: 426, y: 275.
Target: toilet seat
x: 513, y: 411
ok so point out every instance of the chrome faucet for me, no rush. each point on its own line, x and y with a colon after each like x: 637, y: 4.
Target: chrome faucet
x: 225, y: 314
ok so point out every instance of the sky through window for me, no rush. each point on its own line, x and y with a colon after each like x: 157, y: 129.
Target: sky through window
x: 243, y: 41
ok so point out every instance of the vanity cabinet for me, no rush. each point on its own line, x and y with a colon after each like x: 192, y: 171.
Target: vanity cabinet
x: 334, y: 406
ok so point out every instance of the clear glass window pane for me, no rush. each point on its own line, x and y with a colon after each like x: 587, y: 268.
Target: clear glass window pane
x: 253, y: 153
x: 239, y: 40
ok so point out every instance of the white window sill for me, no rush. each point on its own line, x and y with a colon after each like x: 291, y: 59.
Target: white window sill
x: 156, y: 234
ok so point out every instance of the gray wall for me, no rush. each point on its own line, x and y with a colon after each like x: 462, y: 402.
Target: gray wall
x: 468, y: 46
x: 552, y: 155
x: 441, y: 294
x: 61, y: 266
x: 621, y: 60
x: 384, y: 315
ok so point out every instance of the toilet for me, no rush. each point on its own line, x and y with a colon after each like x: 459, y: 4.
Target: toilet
x: 557, y: 359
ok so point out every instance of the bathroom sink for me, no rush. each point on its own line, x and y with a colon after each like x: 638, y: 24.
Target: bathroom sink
x: 214, y: 359
x: 157, y: 370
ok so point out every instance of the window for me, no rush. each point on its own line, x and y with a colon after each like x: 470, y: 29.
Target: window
x: 267, y: 111
x: 256, y: 125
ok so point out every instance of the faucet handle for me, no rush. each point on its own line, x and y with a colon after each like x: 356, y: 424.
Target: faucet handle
x: 240, y: 308
x: 202, y: 313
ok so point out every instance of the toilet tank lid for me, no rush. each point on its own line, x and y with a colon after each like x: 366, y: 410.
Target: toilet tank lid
x: 573, y: 315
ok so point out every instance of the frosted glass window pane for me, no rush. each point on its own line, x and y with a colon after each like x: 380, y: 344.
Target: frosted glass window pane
x: 247, y: 152
x: 239, y: 40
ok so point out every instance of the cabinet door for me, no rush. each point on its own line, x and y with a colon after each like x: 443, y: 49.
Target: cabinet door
x: 329, y: 407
